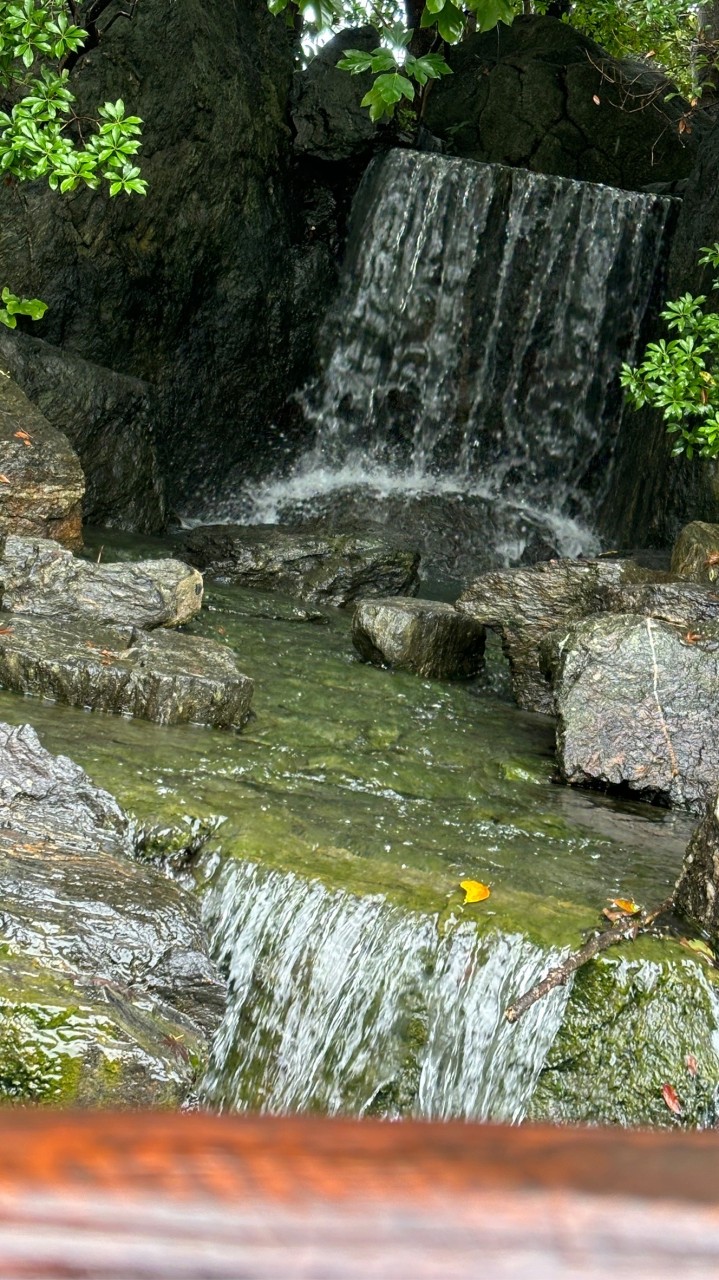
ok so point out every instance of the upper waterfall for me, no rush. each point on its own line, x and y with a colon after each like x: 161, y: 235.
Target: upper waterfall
x: 476, y: 341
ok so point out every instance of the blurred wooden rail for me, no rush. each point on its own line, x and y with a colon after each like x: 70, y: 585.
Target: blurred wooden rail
x: 192, y: 1196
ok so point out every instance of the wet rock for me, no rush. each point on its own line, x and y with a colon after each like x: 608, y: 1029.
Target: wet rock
x: 635, y: 700
x: 627, y: 1031
x: 696, y: 552
x: 525, y: 604
x: 192, y: 288
x: 41, y: 481
x: 326, y: 568
x: 541, y: 95
x: 424, y: 636
x: 696, y: 895
x: 160, y: 676
x: 110, y: 421
x: 43, y: 794
x: 683, y: 603
x: 107, y: 992
x: 39, y: 577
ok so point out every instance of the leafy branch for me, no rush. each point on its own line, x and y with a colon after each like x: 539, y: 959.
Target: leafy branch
x: 36, y: 133
x: 680, y: 375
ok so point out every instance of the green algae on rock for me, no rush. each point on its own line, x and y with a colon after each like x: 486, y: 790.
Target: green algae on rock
x: 632, y: 1025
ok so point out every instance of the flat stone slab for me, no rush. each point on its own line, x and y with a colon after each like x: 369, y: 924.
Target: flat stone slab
x: 525, y: 604
x: 427, y: 637
x: 39, y: 577
x: 637, y: 707
x: 41, y: 481
x: 334, y: 569
x: 160, y: 676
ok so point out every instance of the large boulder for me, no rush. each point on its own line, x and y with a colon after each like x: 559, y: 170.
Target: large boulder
x: 39, y: 577
x: 110, y: 421
x: 542, y: 96
x: 107, y: 992
x: 331, y: 569
x: 635, y: 700
x: 424, y: 636
x: 41, y: 481
x: 192, y: 288
x: 525, y: 604
x: 165, y: 677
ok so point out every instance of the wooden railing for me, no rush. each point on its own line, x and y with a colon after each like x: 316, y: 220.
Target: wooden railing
x: 198, y: 1196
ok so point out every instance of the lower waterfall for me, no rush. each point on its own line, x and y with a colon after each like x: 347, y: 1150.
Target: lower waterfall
x: 348, y: 1004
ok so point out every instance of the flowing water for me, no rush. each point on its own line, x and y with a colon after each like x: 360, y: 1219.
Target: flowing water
x: 354, y: 804
x: 470, y: 371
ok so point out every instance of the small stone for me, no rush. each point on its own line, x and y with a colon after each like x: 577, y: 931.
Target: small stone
x: 334, y: 569
x: 161, y: 676
x: 424, y: 636
x: 41, y: 481
x: 696, y: 552
x: 39, y: 577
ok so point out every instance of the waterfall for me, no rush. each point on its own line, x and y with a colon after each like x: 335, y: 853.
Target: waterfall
x: 348, y: 1004
x: 474, y: 349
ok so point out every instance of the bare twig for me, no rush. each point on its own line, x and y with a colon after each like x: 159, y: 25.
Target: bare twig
x: 626, y: 930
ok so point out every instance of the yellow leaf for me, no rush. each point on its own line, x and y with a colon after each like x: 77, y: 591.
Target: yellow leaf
x: 626, y: 905
x: 474, y: 891
x: 699, y: 948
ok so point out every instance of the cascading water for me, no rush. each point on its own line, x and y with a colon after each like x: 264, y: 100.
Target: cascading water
x: 343, y: 1003
x: 473, y: 356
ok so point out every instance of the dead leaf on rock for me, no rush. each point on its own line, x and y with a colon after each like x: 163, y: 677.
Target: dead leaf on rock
x: 671, y: 1098
x: 4, y: 480
x: 691, y: 1064
x: 23, y: 435
x: 474, y: 891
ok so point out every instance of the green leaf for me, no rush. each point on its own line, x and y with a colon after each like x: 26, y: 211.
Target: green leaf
x: 450, y: 23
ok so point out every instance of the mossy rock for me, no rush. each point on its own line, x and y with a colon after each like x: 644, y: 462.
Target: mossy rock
x: 83, y: 1044
x: 631, y: 1027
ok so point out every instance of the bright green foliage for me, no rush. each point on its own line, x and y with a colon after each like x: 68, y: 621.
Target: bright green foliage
x: 680, y: 376
x: 666, y: 31
x: 13, y: 306
x: 394, y: 75
x: 38, y: 135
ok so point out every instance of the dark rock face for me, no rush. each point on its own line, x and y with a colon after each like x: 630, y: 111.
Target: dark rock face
x: 696, y: 894
x: 329, y: 122
x: 39, y: 577
x: 165, y: 677
x: 424, y: 636
x: 635, y: 701
x: 653, y: 494
x: 525, y: 605
x: 107, y: 992
x: 41, y: 482
x: 327, y: 568
x: 526, y: 95
x: 109, y: 420
x: 191, y: 288
x: 696, y: 553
